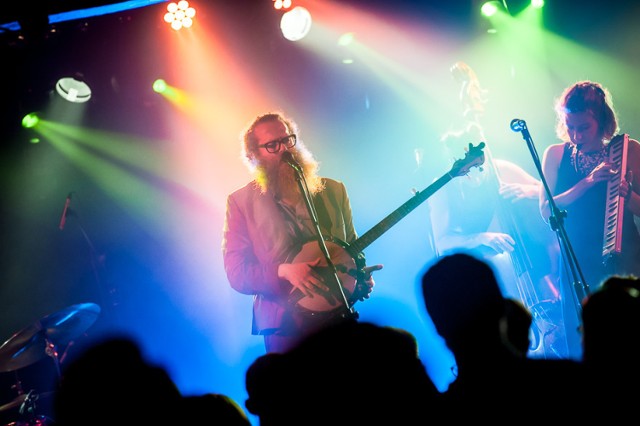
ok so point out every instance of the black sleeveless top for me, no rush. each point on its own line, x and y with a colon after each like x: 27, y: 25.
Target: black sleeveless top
x: 584, y: 222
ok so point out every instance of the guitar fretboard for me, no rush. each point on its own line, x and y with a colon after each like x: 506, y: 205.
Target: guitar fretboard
x: 385, y: 224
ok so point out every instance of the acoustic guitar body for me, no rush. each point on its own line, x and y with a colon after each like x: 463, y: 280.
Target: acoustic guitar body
x: 347, y: 273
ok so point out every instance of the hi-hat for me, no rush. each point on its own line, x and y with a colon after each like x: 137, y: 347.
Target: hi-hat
x: 30, y: 344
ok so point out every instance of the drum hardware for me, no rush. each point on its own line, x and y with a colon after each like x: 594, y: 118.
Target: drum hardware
x: 17, y: 402
x: 24, y: 406
x: 40, y: 339
x: 35, y: 342
x: 35, y: 421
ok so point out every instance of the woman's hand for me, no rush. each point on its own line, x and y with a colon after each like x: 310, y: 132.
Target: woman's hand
x: 626, y: 185
x: 602, y: 172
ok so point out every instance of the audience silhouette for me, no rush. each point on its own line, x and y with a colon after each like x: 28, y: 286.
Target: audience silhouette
x: 360, y: 373
x: 463, y: 299
x: 110, y: 382
x: 266, y: 384
x: 611, y: 345
x: 212, y: 409
x: 515, y: 327
x: 349, y: 373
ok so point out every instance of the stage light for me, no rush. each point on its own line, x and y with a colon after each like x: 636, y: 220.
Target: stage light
x: 73, y: 89
x: 296, y: 23
x: 179, y: 15
x: 510, y: 7
x: 281, y: 4
x: 30, y: 120
x: 159, y: 86
x: 490, y: 8
x: 346, y: 39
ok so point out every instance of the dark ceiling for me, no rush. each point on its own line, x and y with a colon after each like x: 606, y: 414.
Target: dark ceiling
x: 35, y: 54
x: 25, y: 10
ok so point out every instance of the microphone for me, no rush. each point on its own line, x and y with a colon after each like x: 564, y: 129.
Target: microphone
x: 518, y: 125
x: 63, y: 218
x: 288, y: 158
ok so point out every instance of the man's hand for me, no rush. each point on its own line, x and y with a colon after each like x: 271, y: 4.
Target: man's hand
x: 365, y: 283
x: 304, y: 277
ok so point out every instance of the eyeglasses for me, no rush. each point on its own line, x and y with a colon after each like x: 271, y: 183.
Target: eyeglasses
x: 274, y: 146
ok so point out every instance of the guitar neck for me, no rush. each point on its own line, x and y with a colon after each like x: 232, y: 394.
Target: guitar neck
x: 385, y: 224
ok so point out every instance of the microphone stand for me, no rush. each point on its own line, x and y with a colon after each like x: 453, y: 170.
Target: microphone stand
x: 556, y: 221
x: 106, y: 295
x: 304, y: 190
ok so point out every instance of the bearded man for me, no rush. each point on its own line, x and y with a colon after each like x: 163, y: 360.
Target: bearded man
x: 271, y: 244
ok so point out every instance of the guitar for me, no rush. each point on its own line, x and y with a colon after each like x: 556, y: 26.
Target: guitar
x: 349, y: 260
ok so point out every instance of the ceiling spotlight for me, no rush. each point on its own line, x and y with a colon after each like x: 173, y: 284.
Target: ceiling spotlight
x: 73, y: 89
x: 281, y: 4
x: 30, y: 120
x: 490, y: 8
x: 179, y: 15
x: 296, y: 23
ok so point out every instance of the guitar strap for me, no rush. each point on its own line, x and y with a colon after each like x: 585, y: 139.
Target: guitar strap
x: 323, y: 215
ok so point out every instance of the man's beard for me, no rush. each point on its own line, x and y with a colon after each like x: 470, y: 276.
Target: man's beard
x: 280, y: 179
x: 286, y: 182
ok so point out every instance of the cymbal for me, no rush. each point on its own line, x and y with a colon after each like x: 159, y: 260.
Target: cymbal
x: 30, y: 344
x: 20, y: 399
x: 15, y: 403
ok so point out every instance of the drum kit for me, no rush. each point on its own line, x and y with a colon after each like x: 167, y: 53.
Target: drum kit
x: 33, y: 344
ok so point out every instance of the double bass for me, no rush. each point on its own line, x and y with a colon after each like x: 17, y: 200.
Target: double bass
x: 533, y: 284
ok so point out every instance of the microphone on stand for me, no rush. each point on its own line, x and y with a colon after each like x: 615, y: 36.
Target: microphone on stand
x: 288, y: 158
x: 63, y: 218
x: 518, y: 125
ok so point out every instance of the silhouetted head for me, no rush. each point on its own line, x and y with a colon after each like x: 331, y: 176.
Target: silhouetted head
x: 463, y: 299
x: 212, y: 408
x: 266, y: 382
x: 112, y: 380
x: 515, y: 327
x: 346, y: 373
x: 611, y: 322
